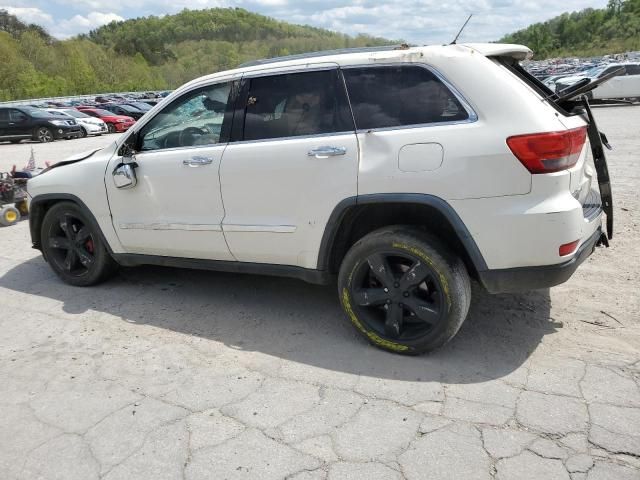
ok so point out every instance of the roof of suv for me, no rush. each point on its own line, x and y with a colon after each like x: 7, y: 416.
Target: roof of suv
x: 374, y: 54
x: 488, y: 49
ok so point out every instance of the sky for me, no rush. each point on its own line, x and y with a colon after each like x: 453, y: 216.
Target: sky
x: 417, y: 22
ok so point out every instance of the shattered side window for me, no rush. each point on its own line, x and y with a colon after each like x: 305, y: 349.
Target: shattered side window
x: 383, y: 97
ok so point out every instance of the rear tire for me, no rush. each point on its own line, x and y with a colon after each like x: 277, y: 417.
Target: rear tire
x: 404, y: 290
x: 73, y: 248
x: 9, y: 215
x: 15, y: 141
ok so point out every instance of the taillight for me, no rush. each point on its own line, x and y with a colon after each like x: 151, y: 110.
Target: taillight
x: 549, y: 152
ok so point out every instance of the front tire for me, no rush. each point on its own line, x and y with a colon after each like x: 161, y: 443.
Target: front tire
x: 83, y: 132
x: 111, y: 127
x: 73, y: 248
x: 404, y: 290
x: 44, y: 135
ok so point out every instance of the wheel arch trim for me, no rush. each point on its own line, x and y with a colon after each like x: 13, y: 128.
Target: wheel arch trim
x: 341, y: 209
x: 36, y: 216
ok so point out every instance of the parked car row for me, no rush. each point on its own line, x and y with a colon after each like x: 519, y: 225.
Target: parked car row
x: 19, y: 123
x: 559, y: 74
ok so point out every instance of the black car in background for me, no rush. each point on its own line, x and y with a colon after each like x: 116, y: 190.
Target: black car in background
x: 28, y: 123
x: 122, y: 109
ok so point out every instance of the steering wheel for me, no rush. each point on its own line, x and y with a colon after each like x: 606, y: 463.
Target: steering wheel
x: 189, y: 131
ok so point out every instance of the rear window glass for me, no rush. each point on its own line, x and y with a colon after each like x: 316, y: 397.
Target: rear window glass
x: 383, y: 97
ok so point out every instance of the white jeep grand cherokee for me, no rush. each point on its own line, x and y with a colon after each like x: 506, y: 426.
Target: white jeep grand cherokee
x: 403, y: 171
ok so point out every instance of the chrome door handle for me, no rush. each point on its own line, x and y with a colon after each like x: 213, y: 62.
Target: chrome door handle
x: 325, y: 152
x: 197, y: 161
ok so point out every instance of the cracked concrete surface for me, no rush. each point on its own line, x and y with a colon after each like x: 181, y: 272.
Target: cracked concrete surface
x: 176, y: 374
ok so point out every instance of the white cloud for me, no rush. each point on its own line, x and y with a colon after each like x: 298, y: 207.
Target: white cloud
x: 30, y: 15
x: 416, y: 21
x: 82, y: 24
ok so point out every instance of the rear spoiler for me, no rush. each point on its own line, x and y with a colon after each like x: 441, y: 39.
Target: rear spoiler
x: 517, y: 52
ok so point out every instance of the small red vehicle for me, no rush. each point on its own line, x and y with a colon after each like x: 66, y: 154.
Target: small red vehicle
x: 115, y: 123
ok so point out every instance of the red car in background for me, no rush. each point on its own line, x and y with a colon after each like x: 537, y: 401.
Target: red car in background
x: 115, y: 123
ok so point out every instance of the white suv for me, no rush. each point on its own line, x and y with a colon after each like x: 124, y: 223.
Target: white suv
x: 403, y: 171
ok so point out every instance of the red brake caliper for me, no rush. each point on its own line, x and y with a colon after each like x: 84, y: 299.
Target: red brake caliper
x: 89, y: 245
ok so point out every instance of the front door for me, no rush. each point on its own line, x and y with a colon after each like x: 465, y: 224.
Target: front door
x: 176, y: 208
x: 295, y: 159
x: 19, y: 124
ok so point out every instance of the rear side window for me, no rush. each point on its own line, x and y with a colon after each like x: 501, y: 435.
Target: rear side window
x: 633, y: 69
x: 296, y: 104
x: 383, y: 97
x: 4, y: 115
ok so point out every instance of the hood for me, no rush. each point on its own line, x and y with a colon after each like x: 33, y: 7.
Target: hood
x: 73, y: 159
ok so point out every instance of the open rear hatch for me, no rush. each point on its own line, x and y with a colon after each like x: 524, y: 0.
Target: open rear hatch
x: 570, y: 103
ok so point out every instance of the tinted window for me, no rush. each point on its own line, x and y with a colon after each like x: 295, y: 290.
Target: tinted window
x: 4, y: 115
x: 397, y: 96
x: 296, y: 104
x: 196, y: 118
x: 18, y: 116
x: 609, y: 70
x: 633, y: 69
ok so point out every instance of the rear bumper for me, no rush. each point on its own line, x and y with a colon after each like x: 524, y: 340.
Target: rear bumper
x: 93, y: 129
x: 511, y: 280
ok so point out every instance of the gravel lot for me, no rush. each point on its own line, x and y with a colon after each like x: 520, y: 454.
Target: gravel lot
x: 163, y: 374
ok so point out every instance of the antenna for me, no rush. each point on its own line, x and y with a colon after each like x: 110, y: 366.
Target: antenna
x: 465, y: 24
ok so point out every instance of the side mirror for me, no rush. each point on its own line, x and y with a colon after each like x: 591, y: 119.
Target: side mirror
x: 124, y: 175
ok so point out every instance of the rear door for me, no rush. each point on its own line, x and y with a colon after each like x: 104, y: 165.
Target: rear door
x: 612, y: 88
x: 631, y: 81
x: 294, y: 159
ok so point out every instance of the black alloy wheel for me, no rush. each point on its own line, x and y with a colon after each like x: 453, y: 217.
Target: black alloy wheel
x: 44, y: 135
x: 404, y: 290
x: 397, y: 295
x: 73, y: 247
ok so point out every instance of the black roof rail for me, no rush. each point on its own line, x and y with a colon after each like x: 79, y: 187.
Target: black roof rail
x: 324, y: 53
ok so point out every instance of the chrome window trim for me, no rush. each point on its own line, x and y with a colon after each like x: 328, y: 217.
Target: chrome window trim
x: 175, y: 149
x: 473, y: 116
x: 274, y: 72
x: 297, y: 137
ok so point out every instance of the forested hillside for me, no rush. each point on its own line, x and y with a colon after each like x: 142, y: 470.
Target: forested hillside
x: 149, y: 53
x: 613, y: 29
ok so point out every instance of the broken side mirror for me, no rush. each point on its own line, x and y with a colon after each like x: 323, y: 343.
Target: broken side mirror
x: 124, y: 175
